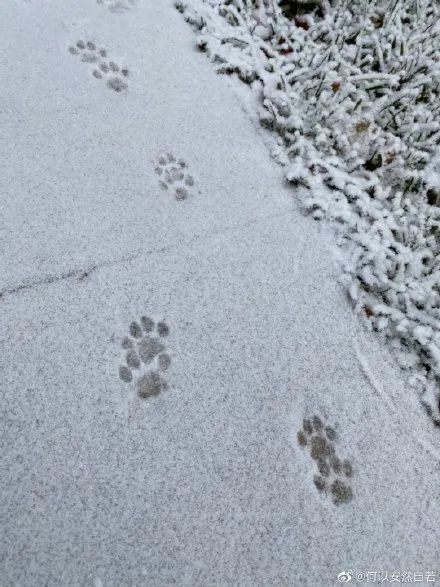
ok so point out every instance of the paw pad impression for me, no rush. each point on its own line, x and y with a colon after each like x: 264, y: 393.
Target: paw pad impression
x: 111, y: 72
x: 173, y: 175
x: 333, y: 473
x: 145, y: 356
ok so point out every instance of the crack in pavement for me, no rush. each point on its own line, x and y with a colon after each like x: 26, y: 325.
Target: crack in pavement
x: 79, y: 274
x: 82, y: 274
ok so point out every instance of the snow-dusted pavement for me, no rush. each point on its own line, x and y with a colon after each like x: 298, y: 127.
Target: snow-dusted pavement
x: 203, y: 484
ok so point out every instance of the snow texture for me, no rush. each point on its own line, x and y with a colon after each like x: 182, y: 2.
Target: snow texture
x: 351, y: 90
x: 203, y: 483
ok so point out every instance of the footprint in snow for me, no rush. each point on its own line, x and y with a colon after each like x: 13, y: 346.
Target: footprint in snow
x: 333, y: 473
x: 102, y: 68
x: 174, y: 175
x: 145, y: 357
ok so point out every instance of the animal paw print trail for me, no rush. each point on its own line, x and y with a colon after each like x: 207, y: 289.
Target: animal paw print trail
x: 333, y: 473
x: 174, y: 175
x: 145, y: 357
x: 104, y: 69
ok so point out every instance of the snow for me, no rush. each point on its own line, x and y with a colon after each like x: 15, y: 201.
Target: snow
x: 354, y: 97
x: 205, y: 482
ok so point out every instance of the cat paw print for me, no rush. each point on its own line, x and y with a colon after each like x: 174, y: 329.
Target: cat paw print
x: 333, y: 473
x: 174, y: 175
x: 114, y: 75
x: 145, y: 357
x: 117, y: 5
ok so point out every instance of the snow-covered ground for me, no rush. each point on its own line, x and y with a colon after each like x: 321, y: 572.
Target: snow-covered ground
x: 352, y: 93
x: 204, y: 483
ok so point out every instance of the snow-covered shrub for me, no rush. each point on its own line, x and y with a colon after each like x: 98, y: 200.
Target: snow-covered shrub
x: 352, y: 90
